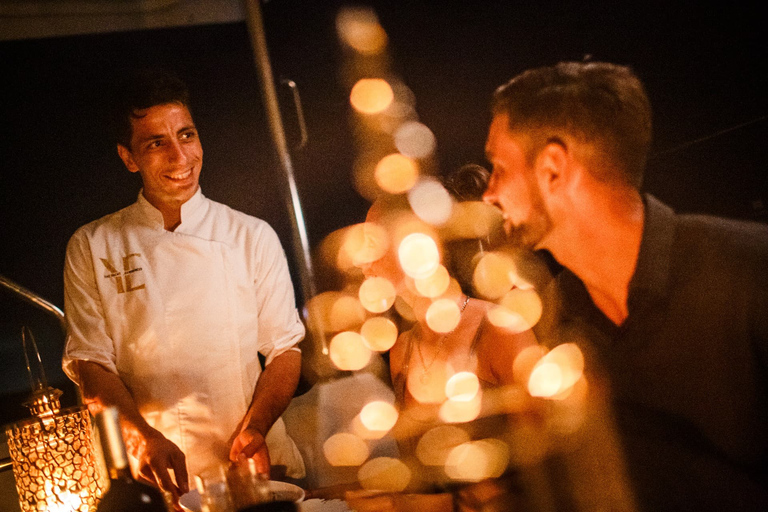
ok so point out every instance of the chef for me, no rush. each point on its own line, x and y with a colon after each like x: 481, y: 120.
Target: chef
x: 169, y: 303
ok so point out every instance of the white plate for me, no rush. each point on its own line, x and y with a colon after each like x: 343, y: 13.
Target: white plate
x: 281, y: 491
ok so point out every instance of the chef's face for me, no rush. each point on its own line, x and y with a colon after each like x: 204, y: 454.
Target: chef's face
x: 165, y: 150
x: 513, y: 188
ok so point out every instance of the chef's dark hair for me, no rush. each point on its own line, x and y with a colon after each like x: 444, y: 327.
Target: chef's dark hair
x: 141, y: 90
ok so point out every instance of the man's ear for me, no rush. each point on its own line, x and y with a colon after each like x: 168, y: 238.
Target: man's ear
x: 127, y: 157
x: 552, y: 167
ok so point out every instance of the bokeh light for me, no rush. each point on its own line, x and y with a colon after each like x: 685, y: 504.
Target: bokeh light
x: 435, y: 445
x: 524, y: 302
x: 473, y: 219
x: 348, y: 351
x: 379, y: 333
x: 371, y: 95
x: 430, y: 201
x: 378, y: 416
x: 418, y: 255
x: 377, y: 294
x: 494, y: 275
x: 435, y: 284
x: 346, y: 313
x: 396, y: 173
x: 462, y: 387
x: 557, y: 372
x: 443, y: 315
x: 384, y: 474
x: 359, y: 28
x: 477, y: 460
x: 345, y: 449
x: 427, y: 386
x: 337, y: 311
x: 415, y: 140
x: 546, y: 380
x: 364, y: 243
x: 526, y: 361
x: 512, y: 321
x: 452, y: 411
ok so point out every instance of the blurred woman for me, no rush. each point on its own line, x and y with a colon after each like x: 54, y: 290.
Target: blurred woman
x: 430, y: 357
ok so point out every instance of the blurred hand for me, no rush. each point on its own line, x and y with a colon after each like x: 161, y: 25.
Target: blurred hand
x: 249, y: 443
x: 157, y: 457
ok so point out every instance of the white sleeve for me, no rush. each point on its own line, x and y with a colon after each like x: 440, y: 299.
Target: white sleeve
x: 87, y: 337
x: 280, y: 328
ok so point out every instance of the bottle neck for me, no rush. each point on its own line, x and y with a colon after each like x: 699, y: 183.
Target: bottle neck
x: 112, y: 445
x: 120, y: 474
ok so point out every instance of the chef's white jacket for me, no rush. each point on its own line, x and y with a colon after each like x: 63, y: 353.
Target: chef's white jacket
x: 181, y: 316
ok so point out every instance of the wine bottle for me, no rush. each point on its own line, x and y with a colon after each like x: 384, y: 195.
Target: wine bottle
x: 125, y: 493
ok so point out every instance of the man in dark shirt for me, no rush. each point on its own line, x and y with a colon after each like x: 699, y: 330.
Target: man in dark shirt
x: 675, y: 307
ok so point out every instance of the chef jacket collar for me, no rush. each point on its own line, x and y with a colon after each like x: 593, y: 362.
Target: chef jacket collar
x: 191, y: 212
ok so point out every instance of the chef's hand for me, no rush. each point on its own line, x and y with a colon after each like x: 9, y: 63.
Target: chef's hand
x: 158, y: 456
x: 249, y: 443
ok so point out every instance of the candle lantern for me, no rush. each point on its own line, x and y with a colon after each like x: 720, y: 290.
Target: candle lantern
x: 53, y: 454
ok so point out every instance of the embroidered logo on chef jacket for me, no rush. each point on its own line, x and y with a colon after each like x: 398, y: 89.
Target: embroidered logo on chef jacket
x: 129, y: 279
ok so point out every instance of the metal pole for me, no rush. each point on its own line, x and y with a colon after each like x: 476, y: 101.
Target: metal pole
x: 35, y: 299
x: 300, y: 240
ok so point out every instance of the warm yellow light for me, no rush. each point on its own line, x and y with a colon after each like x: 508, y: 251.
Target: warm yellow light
x: 570, y: 363
x: 427, y: 386
x: 415, y: 140
x: 452, y: 411
x: 348, y: 351
x: 524, y: 302
x: 396, y: 173
x: 435, y: 445
x: 473, y: 219
x: 337, y: 311
x: 435, y: 284
x: 431, y: 202
x: 443, y: 315
x: 418, y: 255
x: 546, y: 380
x: 359, y: 28
x: 462, y: 387
x: 345, y: 449
x: 365, y: 243
x: 346, y: 313
x: 371, y: 95
x: 377, y: 294
x: 477, y: 460
x: 54, y: 462
x: 512, y: 321
x: 494, y: 275
x: 384, y: 474
x: 526, y: 361
x: 378, y: 416
x: 379, y: 333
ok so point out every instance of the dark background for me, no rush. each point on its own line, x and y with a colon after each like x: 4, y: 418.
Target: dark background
x: 704, y: 68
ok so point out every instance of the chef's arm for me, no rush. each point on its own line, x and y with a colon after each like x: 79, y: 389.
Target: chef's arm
x: 155, y: 453
x: 274, y: 391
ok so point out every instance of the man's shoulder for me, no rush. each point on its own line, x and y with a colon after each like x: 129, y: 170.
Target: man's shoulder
x: 728, y: 235
x: 109, y: 222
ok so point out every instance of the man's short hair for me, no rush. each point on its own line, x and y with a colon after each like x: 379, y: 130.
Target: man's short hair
x: 141, y: 90
x: 601, y: 104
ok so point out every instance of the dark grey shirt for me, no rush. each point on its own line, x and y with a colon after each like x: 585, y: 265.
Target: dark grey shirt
x: 689, y: 367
